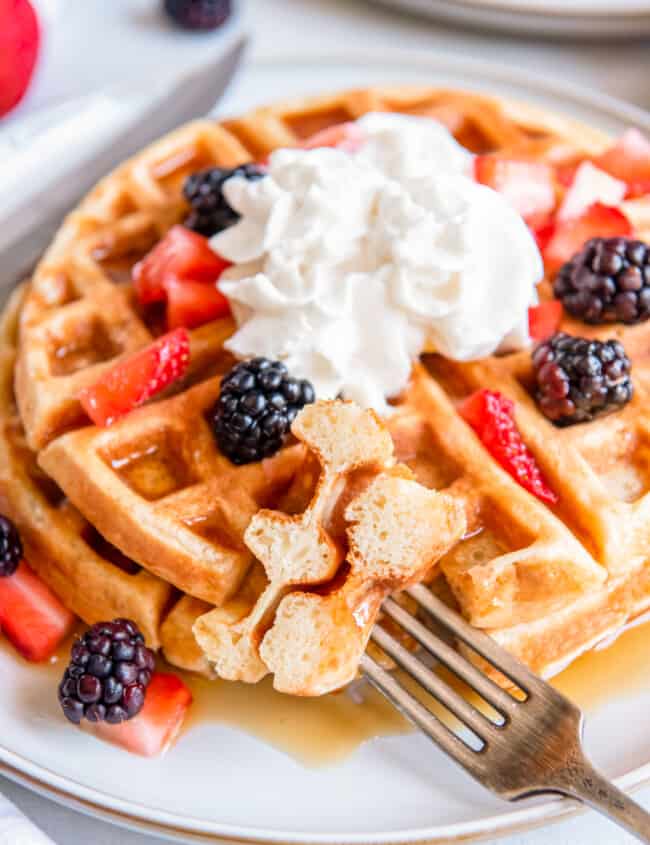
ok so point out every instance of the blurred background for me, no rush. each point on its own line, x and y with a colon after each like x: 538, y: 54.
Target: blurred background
x: 89, y: 44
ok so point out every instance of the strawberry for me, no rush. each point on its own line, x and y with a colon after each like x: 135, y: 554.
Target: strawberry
x: 20, y: 38
x: 31, y: 615
x: 629, y: 160
x: 491, y: 415
x: 569, y: 236
x: 528, y: 186
x: 182, y: 255
x: 543, y: 235
x: 343, y: 136
x: 544, y: 319
x: 565, y: 174
x: 157, y: 725
x: 191, y: 304
x: 590, y: 185
x: 134, y: 380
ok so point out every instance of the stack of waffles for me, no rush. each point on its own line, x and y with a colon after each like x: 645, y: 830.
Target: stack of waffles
x: 233, y: 568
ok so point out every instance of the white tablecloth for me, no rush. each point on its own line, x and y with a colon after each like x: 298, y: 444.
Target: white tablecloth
x: 90, y: 47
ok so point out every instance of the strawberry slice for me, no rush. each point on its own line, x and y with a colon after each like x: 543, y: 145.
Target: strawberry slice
x: 491, y: 415
x: 181, y: 255
x: 544, y: 319
x: 629, y: 160
x: 191, y: 304
x: 343, y: 136
x: 527, y: 185
x: 566, y: 173
x: 157, y: 725
x: 134, y: 380
x: 31, y: 616
x: 590, y: 185
x: 569, y: 236
x: 19, y: 47
x: 543, y: 235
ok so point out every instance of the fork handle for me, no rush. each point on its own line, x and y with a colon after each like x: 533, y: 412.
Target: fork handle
x: 581, y: 780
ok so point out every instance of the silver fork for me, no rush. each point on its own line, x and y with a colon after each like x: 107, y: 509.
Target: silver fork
x: 533, y: 747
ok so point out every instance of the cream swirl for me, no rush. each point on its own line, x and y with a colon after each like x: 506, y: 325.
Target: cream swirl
x: 347, y: 266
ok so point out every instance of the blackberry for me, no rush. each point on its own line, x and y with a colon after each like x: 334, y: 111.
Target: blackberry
x: 204, y: 192
x: 108, y: 674
x: 608, y: 281
x: 256, y: 406
x: 198, y: 14
x: 11, y: 547
x: 579, y: 379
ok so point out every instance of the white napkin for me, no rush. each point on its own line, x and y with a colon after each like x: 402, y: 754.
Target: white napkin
x: 16, y: 829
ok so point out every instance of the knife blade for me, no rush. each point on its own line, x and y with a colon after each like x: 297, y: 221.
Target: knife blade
x: 123, y: 122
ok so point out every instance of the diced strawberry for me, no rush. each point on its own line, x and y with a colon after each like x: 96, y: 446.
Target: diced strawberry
x: 19, y: 47
x: 31, y: 615
x: 544, y: 319
x: 191, y: 304
x: 527, y: 185
x: 157, y: 725
x: 543, y: 235
x: 629, y: 160
x: 569, y: 236
x: 590, y: 185
x: 133, y: 380
x: 343, y: 136
x: 638, y: 188
x: 565, y: 174
x: 182, y: 255
x: 491, y: 415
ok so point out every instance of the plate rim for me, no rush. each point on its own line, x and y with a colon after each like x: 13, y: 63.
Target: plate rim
x: 641, y: 8
x: 558, y: 24
x: 93, y: 802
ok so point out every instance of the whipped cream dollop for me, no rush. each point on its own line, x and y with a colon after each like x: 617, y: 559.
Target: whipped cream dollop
x: 348, y: 265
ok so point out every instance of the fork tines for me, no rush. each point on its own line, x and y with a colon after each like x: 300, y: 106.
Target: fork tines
x: 483, y: 728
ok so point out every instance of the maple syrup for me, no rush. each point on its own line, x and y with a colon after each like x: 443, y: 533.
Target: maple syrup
x: 327, y: 730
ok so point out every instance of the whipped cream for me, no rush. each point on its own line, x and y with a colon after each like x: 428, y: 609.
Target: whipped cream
x: 348, y: 266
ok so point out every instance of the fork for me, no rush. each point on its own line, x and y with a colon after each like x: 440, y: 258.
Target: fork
x: 534, y: 744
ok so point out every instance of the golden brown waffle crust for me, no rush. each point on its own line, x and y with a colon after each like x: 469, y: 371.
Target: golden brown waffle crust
x: 73, y: 291
x: 135, y: 204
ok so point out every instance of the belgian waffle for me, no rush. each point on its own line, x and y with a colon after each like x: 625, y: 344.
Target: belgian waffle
x: 546, y: 582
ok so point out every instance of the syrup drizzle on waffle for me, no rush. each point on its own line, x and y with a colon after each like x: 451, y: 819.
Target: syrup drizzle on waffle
x: 544, y: 583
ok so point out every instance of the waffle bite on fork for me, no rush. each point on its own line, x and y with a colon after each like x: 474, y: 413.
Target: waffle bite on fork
x: 279, y: 566
x: 395, y: 530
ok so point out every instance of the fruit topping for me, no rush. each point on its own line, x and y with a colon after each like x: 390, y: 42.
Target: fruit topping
x: 31, y: 616
x: 184, y: 257
x: 491, y: 415
x: 11, y: 547
x: 529, y: 186
x: 342, y: 136
x: 590, y: 185
x: 109, y: 671
x: 204, y: 191
x: 629, y: 160
x: 192, y: 304
x: 19, y: 46
x: 569, y: 236
x: 607, y: 281
x: 579, y: 379
x: 134, y: 380
x: 157, y: 725
x: 256, y: 406
x: 198, y: 14
x: 544, y: 319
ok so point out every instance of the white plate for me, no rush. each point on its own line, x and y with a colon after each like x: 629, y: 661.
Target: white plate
x: 219, y: 783
x: 601, y: 19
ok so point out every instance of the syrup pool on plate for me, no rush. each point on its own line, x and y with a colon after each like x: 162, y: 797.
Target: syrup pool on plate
x: 324, y: 731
